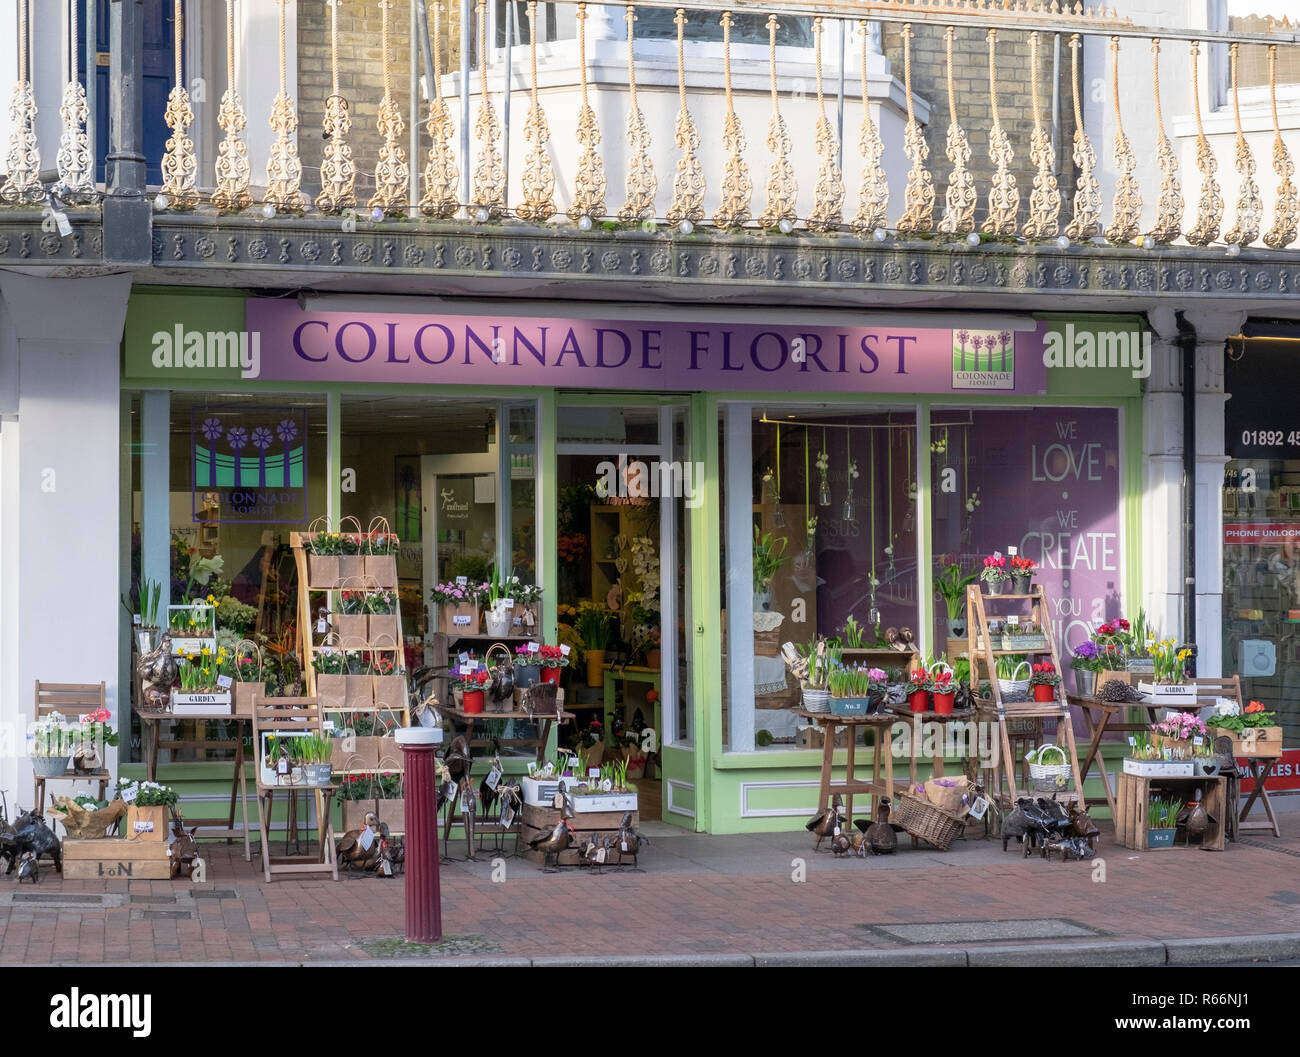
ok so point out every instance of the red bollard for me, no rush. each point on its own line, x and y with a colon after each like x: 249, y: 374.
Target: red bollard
x: 423, y: 889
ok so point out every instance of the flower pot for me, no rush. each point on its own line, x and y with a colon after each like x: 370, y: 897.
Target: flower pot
x: 1160, y: 838
x: 1044, y: 692
x: 144, y: 639
x: 817, y: 700
x: 527, y: 675
x: 956, y: 627
x: 1085, y: 682
x: 653, y: 658
x: 146, y: 823
x: 498, y: 622
x: 995, y: 587
x: 1020, y: 585
x: 919, y: 700
x: 943, y: 703
x: 49, y: 766
x: 317, y: 773
x: 762, y: 600
x: 552, y: 675
x: 595, y: 667
x: 472, y: 702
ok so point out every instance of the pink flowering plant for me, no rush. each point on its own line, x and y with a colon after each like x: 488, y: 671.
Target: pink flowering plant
x: 1180, y: 726
x: 451, y: 593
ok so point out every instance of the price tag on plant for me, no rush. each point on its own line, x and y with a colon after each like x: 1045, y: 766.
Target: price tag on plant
x: 533, y: 647
x: 1198, y: 740
x: 135, y: 619
x: 462, y: 658
x: 564, y: 650
x: 129, y: 793
x: 466, y: 669
x: 508, y: 603
x: 224, y: 681
x: 1012, y: 552
x: 593, y: 772
x: 1013, y: 621
x: 1132, y: 740
x: 461, y: 581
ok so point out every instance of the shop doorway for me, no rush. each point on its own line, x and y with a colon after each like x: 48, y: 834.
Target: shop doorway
x: 622, y: 495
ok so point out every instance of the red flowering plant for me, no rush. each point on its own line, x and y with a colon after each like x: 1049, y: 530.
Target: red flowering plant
x: 383, y: 663
x: 356, y: 787
x: 472, y: 681
x: 1021, y: 566
x: 941, y: 683
x: 995, y: 569
x: 1044, y: 674
x: 918, y: 680
x: 353, y: 602
x: 552, y: 657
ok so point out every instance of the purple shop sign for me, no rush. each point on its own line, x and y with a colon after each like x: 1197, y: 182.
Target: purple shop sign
x: 317, y: 346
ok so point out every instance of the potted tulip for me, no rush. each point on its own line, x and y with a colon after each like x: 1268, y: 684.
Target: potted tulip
x: 918, y: 691
x: 995, y: 574
x: 1044, y: 678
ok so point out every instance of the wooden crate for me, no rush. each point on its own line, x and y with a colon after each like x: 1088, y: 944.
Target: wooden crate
x: 1134, y: 794
x: 1268, y: 743
x: 116, y: 858
x: 539, y: 821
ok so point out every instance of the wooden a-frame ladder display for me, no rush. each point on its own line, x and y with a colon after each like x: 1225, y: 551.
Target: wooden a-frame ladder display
x: 984, y: 652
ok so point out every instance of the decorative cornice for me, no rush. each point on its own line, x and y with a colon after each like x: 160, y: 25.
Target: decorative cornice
x: 242, y: 251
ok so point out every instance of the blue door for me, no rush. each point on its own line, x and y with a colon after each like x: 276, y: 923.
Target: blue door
x: 159, y: 79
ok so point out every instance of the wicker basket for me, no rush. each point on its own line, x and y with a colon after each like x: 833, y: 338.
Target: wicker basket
x: 817, y: 700
x: 924, y: 821
x: 1015, y: 689
x: 1050, y: 771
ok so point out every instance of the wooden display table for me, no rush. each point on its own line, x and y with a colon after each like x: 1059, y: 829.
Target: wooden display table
x: 1258, y: 768
x: 904, y: 713
x: 878, y: 786
x: 215, y: 828
x: 1135, y: 795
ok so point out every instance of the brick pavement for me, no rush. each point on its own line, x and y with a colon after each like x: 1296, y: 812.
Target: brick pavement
x: 699, y: 895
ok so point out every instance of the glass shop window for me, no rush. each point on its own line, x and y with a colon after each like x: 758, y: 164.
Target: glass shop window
x: 1044, y: 480
x: 454, y: 480
x: 243, y: 472
x: 821, y: 540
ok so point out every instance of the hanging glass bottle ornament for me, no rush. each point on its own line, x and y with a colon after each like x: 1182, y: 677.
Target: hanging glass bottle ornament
x: 769, y: 488
x: 849, y: 513
x: 823, y: 465
x: 850, y: 475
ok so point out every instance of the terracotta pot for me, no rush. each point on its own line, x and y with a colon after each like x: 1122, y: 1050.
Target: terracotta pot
x: 653, y: 658
x: 1043, y: 692
x: 552, y: 675
x: 943, y: 703
x: 595, y: 667
x: 919, y: 700
x: 472, y: 702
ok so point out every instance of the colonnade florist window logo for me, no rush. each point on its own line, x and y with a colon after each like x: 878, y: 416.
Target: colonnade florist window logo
x: 76, y: 1010
x: 983, y: 359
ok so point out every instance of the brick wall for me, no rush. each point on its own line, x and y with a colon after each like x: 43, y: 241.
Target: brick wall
x: 361, y: 75
x: 974, y: 113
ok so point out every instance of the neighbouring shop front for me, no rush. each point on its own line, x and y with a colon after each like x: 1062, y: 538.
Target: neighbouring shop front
x: 683, y: 489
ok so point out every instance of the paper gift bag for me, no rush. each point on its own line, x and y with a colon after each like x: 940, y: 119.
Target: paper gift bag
x: 245, y: 695
x: 323, y: 571
x: 354, y: 813
x: 146, y: 823
x: 383, y: 629
x: 352, y: 630
x: 390, y: 692
x: 382, y: 568
x: 331, y: 691
x: 358, y: 692
x: 393, y: 813
x: 458, y: 620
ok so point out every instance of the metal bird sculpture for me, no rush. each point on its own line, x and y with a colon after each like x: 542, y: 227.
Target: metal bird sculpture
x: 828, y: 823
x: 627, y: 841
x: 879, y: 837
x: 489, y: 793
x: 1196, y: 820
x: 157, y: 671
x: 352, y: 846
x: 28, y: 868
x: 596, y: 852
x: 553, y: 843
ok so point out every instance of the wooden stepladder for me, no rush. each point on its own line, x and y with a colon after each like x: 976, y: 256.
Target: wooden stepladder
x: 984, y: 651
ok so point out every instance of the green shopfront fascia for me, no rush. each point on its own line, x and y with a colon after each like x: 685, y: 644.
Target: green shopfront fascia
x: 629, y: 456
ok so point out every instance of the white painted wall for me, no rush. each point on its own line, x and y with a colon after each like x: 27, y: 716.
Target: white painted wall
x: 59, y: 524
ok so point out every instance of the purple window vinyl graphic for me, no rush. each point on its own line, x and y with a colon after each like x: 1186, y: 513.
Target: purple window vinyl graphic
x: 249, y: 464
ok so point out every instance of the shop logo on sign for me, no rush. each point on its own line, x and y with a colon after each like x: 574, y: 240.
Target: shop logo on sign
x: 983, y: 359
x: 250, y: 464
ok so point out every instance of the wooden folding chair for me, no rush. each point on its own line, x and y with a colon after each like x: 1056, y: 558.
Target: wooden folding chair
x: 291, y: 715
x: 72, y: 700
